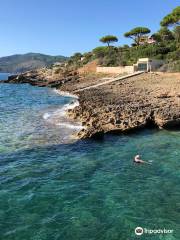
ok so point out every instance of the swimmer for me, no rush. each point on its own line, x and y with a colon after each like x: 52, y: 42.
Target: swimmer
x: 137, y: 159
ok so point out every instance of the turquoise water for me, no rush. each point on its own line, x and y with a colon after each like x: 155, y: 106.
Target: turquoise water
x: 55, y: 188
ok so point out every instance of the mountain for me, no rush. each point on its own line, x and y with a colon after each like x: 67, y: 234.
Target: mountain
x: 29, y: 61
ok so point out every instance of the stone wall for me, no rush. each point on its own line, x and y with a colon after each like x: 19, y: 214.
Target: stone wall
x: 118, y: 70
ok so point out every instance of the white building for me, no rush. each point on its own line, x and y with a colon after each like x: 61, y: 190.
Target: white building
x: 143, y: 64
x: 147, y: 64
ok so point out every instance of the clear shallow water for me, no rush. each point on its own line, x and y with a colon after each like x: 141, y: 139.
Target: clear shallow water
x: 87, y: 190
x: 32, y: 116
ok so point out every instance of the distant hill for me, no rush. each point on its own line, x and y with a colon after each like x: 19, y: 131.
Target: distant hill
x: 29, y: 61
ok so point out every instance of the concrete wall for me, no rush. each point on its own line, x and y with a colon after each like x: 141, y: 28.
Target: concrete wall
x: 118, y: 70
x: 152, y: 64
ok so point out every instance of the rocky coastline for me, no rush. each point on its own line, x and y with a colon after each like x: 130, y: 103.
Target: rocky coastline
x: 150, y: 99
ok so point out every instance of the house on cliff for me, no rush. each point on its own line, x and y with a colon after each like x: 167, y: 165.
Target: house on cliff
x: 147, y: 40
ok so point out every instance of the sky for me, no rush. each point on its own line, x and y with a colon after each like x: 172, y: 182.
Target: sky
x: 63, y: 27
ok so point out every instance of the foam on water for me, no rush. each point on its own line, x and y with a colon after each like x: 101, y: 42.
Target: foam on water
x: 59, y: 116
x: 65, y: 94
x: 46, y: 115
x: 71, y: 126
x: 70, y: 106
x: 36, y: 115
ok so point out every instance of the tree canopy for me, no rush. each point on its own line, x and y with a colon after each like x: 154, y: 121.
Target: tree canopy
x: 137, y: 33
x: 108, y: 39
x: 172, y: 19
x: 164, y: 34
x: 100, y: 51
x: 165, y: 47
x: 177, y: 33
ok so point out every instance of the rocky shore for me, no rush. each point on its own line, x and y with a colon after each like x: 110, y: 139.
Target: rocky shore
x: 150, y: 99
x: 138, y: 102
x: 43, y: 77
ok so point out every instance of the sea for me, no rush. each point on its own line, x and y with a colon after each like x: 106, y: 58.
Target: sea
x: 55, y: 187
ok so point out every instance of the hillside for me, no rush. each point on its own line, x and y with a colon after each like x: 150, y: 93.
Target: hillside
x: 25, y: 62
x: 163, y: 44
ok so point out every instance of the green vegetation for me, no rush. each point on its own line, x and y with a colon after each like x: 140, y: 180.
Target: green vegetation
x: 166, y: 46
x: 172, y: 19
x: 137, y: 33
x: 108, y: 39
x: 164, y: 34
x: 177, y: 33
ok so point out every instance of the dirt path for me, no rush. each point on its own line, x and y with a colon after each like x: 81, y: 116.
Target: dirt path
x: 109, y: 81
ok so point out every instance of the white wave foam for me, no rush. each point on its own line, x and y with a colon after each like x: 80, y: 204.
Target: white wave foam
x: 46, y: 115
x: 59, y: 116
x: 65, y: 94
x: 71, y: 105
x: 61, y: 111
x: 71, y: 126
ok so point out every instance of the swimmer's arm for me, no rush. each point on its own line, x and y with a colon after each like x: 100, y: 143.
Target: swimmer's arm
x: 142, y: 161
x: 147, y: 162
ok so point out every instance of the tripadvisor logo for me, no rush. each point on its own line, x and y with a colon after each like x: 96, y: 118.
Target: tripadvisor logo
x: 139, y: 231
